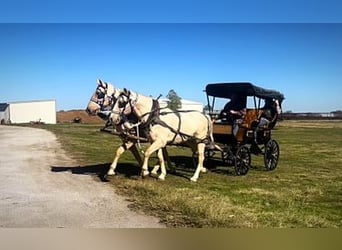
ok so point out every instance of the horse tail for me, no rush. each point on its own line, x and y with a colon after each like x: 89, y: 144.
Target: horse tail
x: 211, y: 141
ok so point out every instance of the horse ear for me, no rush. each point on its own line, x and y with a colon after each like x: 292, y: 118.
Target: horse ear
x: 102, y: 83
x: 126, y: 92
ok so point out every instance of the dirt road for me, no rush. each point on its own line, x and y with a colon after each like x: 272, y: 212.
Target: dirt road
x: 31, y: 195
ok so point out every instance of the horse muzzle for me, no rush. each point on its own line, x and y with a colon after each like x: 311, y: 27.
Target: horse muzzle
x: 92, y: 112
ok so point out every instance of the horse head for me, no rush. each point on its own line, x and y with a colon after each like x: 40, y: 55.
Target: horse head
x: 103, y: 98
x: 123, y: 106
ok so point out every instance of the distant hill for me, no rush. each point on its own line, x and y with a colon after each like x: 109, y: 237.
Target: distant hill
x: 73, y: 115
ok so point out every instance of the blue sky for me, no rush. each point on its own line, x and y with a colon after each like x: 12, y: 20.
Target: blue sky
x: 57, y: 49
x: 170, y: 11
x: 63, y: 61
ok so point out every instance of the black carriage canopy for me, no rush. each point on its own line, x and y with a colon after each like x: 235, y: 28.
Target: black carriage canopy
x: 227, y: 90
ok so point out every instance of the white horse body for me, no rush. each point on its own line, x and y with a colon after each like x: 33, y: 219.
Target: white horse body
x: 192, y: 128
x: 170, y: 127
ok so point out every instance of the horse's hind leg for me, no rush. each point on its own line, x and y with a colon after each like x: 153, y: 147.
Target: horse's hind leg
x: 119, y: 152
x: 167, y: 158
x: 195, y: 149
x: 200, y: 148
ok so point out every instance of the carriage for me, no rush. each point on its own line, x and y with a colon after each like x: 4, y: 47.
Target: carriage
x: 236, y: 139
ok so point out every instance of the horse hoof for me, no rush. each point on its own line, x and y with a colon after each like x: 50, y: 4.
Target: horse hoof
x: 161, y: 178
x: 110, y: 173
x: 145, y: 173
x: 204, y: 170
x: 104, y: 178
x: 193, y: 179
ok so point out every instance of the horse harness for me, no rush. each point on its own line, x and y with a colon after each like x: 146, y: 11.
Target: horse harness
x: 154, y: 119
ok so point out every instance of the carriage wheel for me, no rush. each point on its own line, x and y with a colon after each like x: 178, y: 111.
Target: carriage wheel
x: 228, y: 156
x: 271, y: 155
x: 242, y: 160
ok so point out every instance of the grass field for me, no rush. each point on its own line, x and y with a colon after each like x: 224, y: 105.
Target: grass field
x: 304, y: 191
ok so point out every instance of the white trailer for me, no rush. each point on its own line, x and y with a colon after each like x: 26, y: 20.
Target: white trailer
x: 33, y: 111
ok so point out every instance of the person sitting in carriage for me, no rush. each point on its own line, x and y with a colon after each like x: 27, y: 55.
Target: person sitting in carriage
x: 269, y: 116
x: 267, y: 119
x: 234, y: 112
x: 235, y: 109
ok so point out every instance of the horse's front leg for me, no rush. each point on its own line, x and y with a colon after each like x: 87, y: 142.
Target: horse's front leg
x: 200, y: 148
x: 156, y: 167
x: 161, y: 165
x: 126, y: 145
x: 156, y: 145
x: 165, y: 157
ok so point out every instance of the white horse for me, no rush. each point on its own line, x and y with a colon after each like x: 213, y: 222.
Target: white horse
x: 101, y: 103
x: 165, y: 127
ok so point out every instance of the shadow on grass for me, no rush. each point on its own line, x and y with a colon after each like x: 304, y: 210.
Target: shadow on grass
x: 216, y: 165
x: 186, y: 166
x: 183, y: 167
x: 100, y: 170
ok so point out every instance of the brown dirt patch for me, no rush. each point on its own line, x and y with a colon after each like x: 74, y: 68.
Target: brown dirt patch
x: 69, y: 116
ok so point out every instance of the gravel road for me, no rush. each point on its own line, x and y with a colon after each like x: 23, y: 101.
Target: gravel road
x: 33, y: 196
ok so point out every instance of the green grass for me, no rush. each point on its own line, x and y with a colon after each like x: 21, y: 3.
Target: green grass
x: 304, y: 191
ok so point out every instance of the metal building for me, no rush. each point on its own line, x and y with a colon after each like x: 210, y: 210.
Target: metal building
x: 33, y: 111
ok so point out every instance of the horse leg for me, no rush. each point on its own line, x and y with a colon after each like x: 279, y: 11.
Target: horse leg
x: 156, y: 167
x: 162, y: 164
x: 194, y: 148
x: 161, y: 156
x: 167, y: 158
x: 200, y: 148
x: 150, y: 150
x: 119, y: 152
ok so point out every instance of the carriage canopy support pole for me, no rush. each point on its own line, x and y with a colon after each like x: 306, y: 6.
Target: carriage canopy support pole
x: 211, y: 106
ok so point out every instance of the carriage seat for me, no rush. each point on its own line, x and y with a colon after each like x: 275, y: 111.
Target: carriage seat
x: 254, y: 120
x: 251, y: 118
